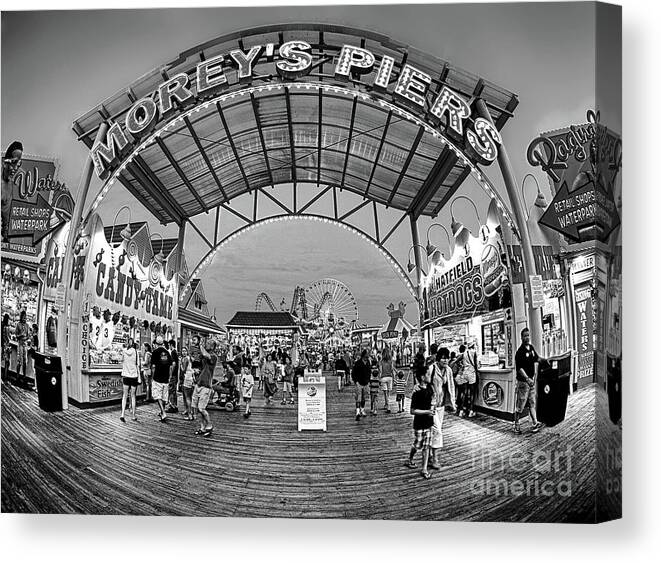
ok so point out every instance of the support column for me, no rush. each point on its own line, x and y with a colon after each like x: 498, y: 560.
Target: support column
x: 415, y: 238
x: 529, y: 269
x: 63, y: 320
x: 178, y: 263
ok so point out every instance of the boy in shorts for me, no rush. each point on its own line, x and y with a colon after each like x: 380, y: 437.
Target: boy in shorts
x: 400, y: 389
x: 422, y: 409
x: 247, y: 385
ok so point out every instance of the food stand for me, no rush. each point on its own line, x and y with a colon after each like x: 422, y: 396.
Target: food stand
x: 264, y: 331
x: 468, y: 299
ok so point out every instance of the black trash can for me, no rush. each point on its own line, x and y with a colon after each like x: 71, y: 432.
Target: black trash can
x: 552, y: 391
x: 614, y: 388
x: 48, y: 374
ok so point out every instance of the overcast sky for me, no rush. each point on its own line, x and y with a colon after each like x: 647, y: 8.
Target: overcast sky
x: 58, y: 65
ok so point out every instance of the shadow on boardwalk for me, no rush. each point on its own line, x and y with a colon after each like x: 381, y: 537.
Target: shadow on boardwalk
x: 88, y: 461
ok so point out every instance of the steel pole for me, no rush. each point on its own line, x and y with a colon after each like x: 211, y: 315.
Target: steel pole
x: 415, y: 237
x: 67, y: 267
x: 529, y: 269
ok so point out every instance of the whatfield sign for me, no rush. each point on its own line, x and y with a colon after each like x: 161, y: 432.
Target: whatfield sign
x: 292, y: 60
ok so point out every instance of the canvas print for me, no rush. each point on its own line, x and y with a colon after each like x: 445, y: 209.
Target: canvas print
x: 356, y: 262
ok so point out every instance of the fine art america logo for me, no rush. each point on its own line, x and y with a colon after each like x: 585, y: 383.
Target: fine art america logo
x: 515, y: 473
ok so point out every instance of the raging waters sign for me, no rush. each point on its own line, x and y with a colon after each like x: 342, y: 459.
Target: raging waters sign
x: 582, y: 162
x: 38, y: 205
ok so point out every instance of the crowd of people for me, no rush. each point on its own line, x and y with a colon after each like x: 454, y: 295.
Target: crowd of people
x: 443, y: 381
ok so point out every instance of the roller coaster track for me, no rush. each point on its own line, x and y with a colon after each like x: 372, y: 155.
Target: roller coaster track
x: 264, y: 297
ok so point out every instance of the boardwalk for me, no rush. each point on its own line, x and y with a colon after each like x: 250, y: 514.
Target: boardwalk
x: 88, y: 461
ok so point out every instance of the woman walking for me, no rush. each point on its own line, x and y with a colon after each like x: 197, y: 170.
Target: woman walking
x: 130, y: 377
x: 386, y: 371
x: 268, y: 374
x: 187, y: 384
x: 146, y: 369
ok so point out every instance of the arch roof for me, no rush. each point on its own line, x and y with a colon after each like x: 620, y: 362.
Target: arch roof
x: 313, y: 129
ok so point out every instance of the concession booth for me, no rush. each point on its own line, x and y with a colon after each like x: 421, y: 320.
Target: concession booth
x: 120, y: 290
x: 468, y: 300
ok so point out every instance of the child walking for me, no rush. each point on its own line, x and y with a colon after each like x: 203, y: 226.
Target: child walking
x: 400, y: 388
x: 247, y: 386
x: 422, y: 409
x: 375, y: 385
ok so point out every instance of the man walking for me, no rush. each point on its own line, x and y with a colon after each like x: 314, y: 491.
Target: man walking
x: 22, y: 334
x: 202, y: 392
x: 174, y: 379
x: 161, y: 370
x: 527, y: 367
x: 361, y: 377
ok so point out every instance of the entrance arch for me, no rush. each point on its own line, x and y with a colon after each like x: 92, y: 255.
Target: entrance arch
x: 302, y: 105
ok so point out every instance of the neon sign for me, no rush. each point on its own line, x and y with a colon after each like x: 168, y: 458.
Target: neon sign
x: 447, y: 110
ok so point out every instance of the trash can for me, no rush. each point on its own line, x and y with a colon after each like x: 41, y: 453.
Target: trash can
x: 614, y: 388
x: 552, y: 391
x: 48, y: 374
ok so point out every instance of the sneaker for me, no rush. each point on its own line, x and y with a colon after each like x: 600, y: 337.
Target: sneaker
x: 358, y: 417
x: 171, y: 410
x: 434, y: 466
x: 207, y: 431
x: 387, y: 411
x: 283, y: 402
x: 409, y: 463
x: 291, y: 402
x: 471, y: 414
x: 245, y: 415
x: 517, y: 429
x: 199, y: 432
x: 122, y: 419
x: 536, y: 427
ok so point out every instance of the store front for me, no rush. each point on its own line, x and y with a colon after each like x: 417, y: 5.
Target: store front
x: 263, y: 332
x: 120, y: 291
x: 21, y: 288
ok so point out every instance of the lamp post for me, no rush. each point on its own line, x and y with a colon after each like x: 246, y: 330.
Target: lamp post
x: 529, y: 269
x: 432, y: 249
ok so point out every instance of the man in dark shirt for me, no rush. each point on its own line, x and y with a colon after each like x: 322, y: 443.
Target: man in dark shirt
x: 202, y: 391
x: 161, y: 370
x: 174, y: 379
x: 423, y: 410
x: 527, y: 366
x: 360, y: 374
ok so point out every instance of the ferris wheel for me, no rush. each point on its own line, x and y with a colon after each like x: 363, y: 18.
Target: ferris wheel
x: 330, y: 299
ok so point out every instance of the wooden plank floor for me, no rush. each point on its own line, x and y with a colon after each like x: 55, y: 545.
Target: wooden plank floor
x: 88, y: 461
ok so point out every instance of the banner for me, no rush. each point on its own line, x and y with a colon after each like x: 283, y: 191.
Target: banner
x: 584, y: 331
x: 472, y: 282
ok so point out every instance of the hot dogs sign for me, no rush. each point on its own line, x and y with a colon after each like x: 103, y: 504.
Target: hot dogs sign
x: 472, y: 282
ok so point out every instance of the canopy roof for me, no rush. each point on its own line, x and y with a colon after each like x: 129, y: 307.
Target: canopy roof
x: 316, y: 130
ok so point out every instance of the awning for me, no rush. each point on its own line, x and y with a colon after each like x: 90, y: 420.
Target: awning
x: 198, y: 322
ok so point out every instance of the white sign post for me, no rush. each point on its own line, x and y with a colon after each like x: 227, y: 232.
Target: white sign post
x: 312, y: 402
